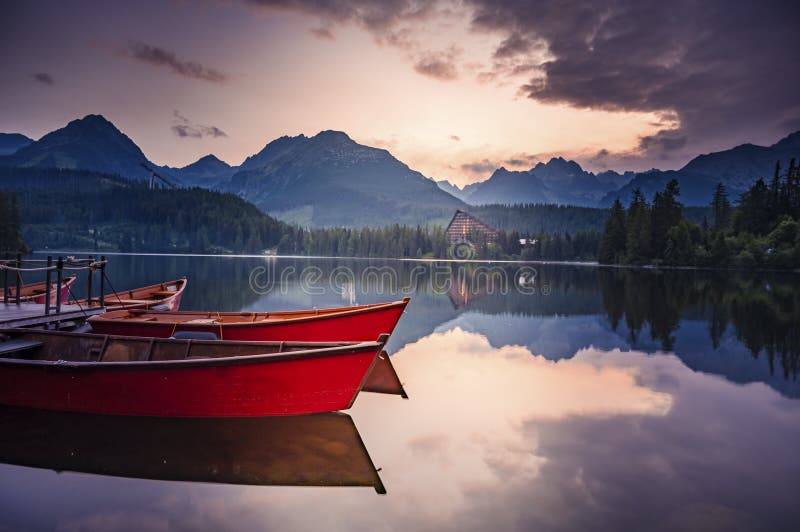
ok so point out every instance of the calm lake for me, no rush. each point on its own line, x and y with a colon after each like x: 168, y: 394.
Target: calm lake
x: 542, y: 397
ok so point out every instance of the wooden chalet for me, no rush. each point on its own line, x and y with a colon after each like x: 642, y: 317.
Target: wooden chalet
x: 463, y: 225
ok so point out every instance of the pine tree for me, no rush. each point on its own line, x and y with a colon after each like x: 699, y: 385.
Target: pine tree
x: 638, y: 229
x: 722, y: 208
x: 612, y: 245
x: 667, y: 213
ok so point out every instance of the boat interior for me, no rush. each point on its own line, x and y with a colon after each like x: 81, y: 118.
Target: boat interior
x: 36, y: 289
x: 147, y: 294
x: 216, y: 318
x: 53, y: 346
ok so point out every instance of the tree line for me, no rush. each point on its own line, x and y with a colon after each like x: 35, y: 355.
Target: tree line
x: 760, y: 231
x: 11, y: 240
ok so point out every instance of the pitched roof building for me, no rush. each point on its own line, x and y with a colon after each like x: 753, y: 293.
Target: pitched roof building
x: 463, y: 225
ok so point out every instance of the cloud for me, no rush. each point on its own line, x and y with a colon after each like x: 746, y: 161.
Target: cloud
x: 438, y: 65
x: 160, y: 57
x: 322, y: 33
x: 515, y: 44
x: 720, y: 71
x: 525, y: 160
x: 455, y: 138
x: 375, y: 16
x: 44, y: 78
x: 185, y: 128
x: 481, y: 167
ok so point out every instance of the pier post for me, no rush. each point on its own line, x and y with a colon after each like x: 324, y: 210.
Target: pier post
x: 5, y: 285
x: 102, y: 280
x: 59, y: 276
x: 48, y: 288
x: 89, y: 284
x: 19, y: 277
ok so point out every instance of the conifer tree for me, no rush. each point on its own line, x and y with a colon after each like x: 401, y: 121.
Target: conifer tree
x: 612, y: 245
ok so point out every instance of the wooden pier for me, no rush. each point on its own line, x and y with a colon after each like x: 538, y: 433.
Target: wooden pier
x: 33, y: 314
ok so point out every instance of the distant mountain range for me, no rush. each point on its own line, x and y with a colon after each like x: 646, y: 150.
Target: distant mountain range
x: 737, y: 168
x: 206, y: 172
x: 325, y: 180
x: 12, y: 143
x: 566, y: 183
x: 558, y: 181
x: 331, y: 180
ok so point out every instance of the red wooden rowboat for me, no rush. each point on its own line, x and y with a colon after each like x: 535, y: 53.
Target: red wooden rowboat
x: 164, y: 296
x: 346, y: 324
x: 104, y: 374
x: 37, y: 292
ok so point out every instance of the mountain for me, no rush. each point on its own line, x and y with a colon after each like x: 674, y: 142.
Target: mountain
x: 615, y: 179
x: 12, y: 142
x: 507, y: 187
x: 558, y: 181
x: 330, y: 180
x: 737, y: 168
x: 452, y: 189
x: 207, y: 172
x: 90, y: 143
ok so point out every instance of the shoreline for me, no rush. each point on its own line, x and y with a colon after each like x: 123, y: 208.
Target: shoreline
x: 424, y: 260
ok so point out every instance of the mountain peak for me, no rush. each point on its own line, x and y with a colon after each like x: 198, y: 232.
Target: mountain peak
x: 210, y: 158
x: 13, y: 142
x: 792, y: 140
x: 332, y: 135
x: 88, y: 143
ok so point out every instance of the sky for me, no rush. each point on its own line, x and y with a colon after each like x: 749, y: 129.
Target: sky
x: 455, y: 89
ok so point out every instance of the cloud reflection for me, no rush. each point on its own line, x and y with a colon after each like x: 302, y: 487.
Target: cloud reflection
x: 500, y: 438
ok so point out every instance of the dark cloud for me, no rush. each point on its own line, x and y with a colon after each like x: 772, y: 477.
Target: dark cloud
x: 438, y: 65
x: 484, y: 166
x: 161, y: 57
x: 376, y: 16
x: 663, y: 142
x: 723, y: 70
x: 515, y: 44
x: 322, y: 33
x: 44, y: 78
x: 525, y: 160
x: 185, y: 128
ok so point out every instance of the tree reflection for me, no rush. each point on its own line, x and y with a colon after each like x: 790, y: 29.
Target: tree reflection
x: 764, y: 309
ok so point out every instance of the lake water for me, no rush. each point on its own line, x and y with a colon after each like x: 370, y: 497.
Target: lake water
x: 542, y: 397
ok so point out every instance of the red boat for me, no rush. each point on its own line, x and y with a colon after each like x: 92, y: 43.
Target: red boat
x: 346, y: 324
x: 161, y: 296
x: 37, y: 292
x: 116, y: 375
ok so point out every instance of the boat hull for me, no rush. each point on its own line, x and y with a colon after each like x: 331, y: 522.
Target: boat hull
x: 37, y: 292
x: 270, y: 388
x: 343, y: 327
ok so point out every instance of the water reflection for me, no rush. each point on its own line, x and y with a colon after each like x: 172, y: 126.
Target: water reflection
x: 742, y: 325
x: 619, y: 400
x: 504, y: 439
x: 312, y: 450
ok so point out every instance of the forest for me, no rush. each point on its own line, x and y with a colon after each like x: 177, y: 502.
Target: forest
x: 760, y: 231
x: 10, y: 230
x: 79, y: 210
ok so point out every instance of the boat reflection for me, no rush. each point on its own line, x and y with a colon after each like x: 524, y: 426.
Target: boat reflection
x: 311, y: 450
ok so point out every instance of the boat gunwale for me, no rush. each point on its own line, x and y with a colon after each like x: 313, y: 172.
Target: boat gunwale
x: 330, y: 313
x: 320, y: 351
x: 41, y: 286
x: 113, y: 300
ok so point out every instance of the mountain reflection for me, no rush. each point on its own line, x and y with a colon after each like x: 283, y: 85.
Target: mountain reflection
x: 745, y: 326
